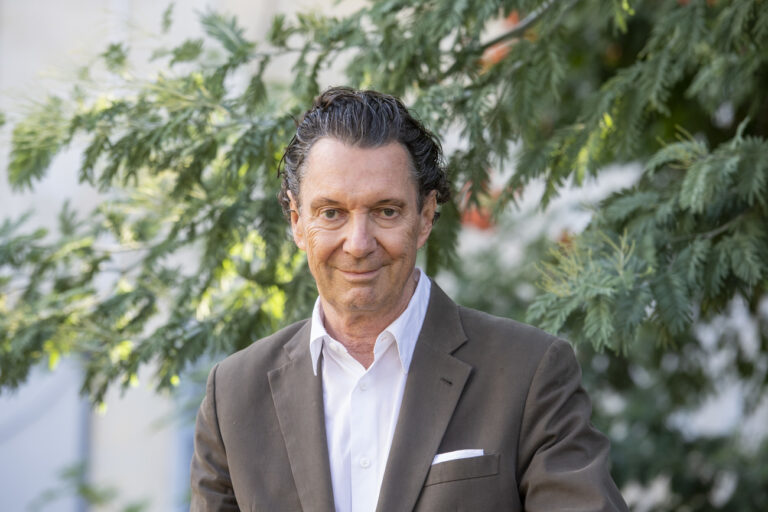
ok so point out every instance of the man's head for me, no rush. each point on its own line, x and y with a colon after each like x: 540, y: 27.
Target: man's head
x: 365, y: 119
x: 361, y: 185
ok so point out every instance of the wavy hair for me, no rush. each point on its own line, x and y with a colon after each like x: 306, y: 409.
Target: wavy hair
x: 365, y: 119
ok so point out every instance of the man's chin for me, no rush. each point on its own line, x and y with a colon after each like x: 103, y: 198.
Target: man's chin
x: 362, y: 302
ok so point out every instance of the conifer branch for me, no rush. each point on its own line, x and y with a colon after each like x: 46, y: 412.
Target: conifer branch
x: 722, y: 229
x: 514, y: 32
x: 523, y: 25
x: 708, y: 235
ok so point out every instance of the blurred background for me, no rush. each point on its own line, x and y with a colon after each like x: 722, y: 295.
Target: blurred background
x: 610, y: 184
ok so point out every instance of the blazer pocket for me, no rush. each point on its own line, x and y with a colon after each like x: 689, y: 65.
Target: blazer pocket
x: 462, y: 469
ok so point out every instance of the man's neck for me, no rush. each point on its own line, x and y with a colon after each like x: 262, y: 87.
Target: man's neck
x: 358, y: 331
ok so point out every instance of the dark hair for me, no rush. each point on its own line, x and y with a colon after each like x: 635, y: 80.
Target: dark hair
x: 364, y: 119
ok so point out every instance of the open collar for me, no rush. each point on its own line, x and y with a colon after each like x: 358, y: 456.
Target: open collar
x: 405, y: 329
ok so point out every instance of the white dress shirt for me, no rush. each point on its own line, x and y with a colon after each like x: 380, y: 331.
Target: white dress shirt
x: 362, y: 406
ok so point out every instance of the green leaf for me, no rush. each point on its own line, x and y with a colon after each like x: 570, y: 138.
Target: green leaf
x: 698, y: 253
x: 753, y: 171
x: 188, y: 51
x: 622, y: 10
x: 442, y: 243
x: 255, y: 94
x: 623, y: 206
x: 747, y: 254
x: 673, y: 306
x: 227, y: 32
x: 279, y: 31
x: 598, y: 324
x: 705, y: 177
x: 168, y: 18
x: 683, y: 153
x: 115, y: 57
x: 36, y: 139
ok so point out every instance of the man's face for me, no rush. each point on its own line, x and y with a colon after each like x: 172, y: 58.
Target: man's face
x: 358, y: 221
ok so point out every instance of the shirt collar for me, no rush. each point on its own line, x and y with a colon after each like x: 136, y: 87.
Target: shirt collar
x: 405, y: 329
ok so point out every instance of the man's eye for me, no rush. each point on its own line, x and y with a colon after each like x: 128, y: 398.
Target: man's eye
x: 388, y: 212
x: 330, y: 214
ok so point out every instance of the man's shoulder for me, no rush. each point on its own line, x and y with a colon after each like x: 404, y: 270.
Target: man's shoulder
x: 263, y: 353
x: 486, y: 336
x: 476, y: 321
x: 498, y: 335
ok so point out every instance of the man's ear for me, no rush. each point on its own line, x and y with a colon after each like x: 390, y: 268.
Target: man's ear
x: 297, y: 226
x: 427, y: 217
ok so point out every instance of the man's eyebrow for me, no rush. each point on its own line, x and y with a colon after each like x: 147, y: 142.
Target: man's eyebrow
x: 323, y: 201
x: 393, y: 201
x: 326, y: 201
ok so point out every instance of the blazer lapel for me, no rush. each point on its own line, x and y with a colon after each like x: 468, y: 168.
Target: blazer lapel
x: 435, y: 382
x: 298, y: 397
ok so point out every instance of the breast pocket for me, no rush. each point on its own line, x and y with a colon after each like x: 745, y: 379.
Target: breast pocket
x: 461, y: 469
x: 470, y: 484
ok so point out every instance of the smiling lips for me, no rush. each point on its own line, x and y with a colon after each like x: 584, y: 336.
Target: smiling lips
x: 359, y: 275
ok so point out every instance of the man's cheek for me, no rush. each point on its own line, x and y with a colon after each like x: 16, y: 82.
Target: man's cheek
x: 315, y: 240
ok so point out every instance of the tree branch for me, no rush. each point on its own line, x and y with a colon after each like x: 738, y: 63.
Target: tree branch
x: 521, y: 26
x: 516, y: 31
x: 708, y: 235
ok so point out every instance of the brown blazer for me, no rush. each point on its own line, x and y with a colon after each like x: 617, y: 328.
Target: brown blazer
x: 475, y: 381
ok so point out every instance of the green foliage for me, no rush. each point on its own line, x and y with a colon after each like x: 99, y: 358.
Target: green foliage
x: 646, y: 396
x: 35, y: 140
x: 698, y: 217
x: 229, y: 35
x: 115, y: 57
x: 190, y: 168
x: 167, y: 18
x: 592, y: 283
x: 188, y: 51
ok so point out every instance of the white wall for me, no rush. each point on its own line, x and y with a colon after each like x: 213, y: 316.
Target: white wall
x: 43, y: 430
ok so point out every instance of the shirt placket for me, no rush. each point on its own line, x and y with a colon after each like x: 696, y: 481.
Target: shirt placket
x: 365, y: 431
x: 363, y: 446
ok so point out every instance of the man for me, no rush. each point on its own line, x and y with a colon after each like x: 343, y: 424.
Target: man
x: 391, y: 397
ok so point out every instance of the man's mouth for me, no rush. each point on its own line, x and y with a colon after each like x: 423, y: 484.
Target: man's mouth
x: 359, y: 275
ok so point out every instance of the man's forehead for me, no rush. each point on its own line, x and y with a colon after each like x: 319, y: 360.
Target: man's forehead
x: 330, y: 156
x: 353, y: 145
x: 335, y: 170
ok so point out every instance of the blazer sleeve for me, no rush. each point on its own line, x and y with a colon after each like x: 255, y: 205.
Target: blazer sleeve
x: 564, y: 460
x: 210, y: 480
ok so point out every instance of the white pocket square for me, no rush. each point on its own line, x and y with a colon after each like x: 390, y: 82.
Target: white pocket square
x: 458, y: 454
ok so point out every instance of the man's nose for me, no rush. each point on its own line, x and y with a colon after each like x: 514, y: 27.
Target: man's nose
x: 360, y: 240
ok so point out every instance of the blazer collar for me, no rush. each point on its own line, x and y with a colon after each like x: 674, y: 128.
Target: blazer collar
x: 298, y: 397
x: 432, y: 390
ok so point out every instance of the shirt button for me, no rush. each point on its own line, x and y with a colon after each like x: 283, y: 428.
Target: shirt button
x: 363, y: 386
x: 365, y: 462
